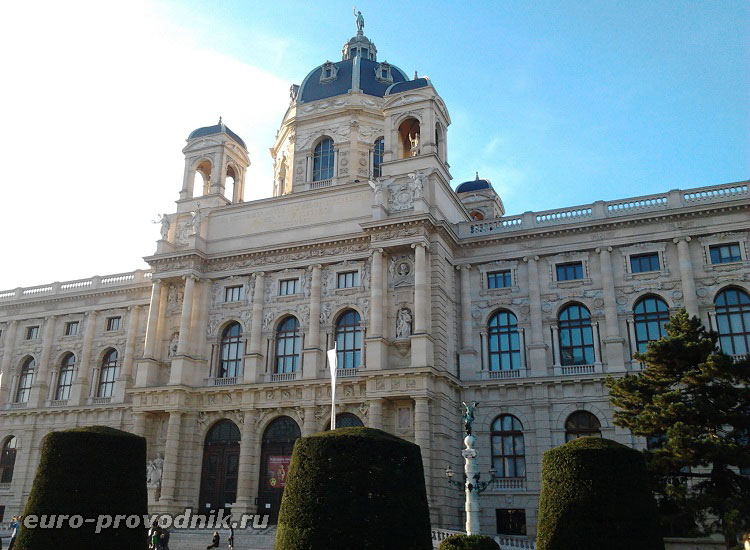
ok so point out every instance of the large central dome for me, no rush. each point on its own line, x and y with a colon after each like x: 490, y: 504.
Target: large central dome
x: 358, y: 71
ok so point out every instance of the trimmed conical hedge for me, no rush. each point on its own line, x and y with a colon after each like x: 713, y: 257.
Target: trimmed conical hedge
x: 354, y: 488
x: 595, y: 494
x: 87, y: 472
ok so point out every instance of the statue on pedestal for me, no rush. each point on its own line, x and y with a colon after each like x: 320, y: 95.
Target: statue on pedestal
x: 154, y: 470
x: 469, y: 415
x: 164, y: 229
x: 360, y: 21
x: 414, y: 140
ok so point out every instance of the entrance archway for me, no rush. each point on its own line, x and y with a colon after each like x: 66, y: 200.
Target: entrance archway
x: 221, y: 458
x: 275, y: 455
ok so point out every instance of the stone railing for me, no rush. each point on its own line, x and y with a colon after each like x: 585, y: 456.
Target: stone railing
x: 509, y: 542
x: 508, y: 484
x: 222, y: 381
x: 346, y: 373
x: 69, y: 287
x: 577, y: 369
x: 504, y: 374
x: 320, y: 184
x: 602, y: 210
x: 283, y: 376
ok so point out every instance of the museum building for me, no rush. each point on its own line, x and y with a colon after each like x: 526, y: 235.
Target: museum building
x: 433, y: 296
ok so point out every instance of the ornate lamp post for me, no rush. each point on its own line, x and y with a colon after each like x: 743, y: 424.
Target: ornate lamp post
x: 471, y: 484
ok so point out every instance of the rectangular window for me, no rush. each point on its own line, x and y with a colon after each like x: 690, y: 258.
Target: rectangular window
x: 348, y: 279
x: 71, y: 329
x: 233, y: 293
x: 287, y: 287
x: 570, y: 272
x: 499, y: 279
x: 641, y: 263
x: 725, y: 253
x: 113, y: 323
x: 32, y: 333
x: 510, y: 521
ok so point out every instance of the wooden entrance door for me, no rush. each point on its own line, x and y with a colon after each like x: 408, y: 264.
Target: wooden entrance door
x: 221, y: 458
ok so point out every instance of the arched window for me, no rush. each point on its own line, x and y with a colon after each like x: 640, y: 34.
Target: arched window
x: 504, y: 344
x: 65, y: 378
x: 107, y: 374
x: 230, y: 180
x: 8, y: 459
x: 576, y: 336
x: 202, y: 183
x: 348, y: 340
x: 408, y: 132
x: 733, y: 321
x: 650, y: 315
x: 231, y: 352
x: 25, y: 380
x: 345, y: 420
x: 323, y: 160
x: 377, y: 157
x: 288, y: 344
x: 580, y: 424
x: 508, y: 452
x: 224, y: 431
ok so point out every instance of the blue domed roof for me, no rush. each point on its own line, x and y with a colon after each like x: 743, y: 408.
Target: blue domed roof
x: 356, y: 73
x: 216, y: 129
x: 398, y: 87
x: 474, y: 185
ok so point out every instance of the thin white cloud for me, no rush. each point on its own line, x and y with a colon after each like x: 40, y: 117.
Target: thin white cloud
x: 99, y: 98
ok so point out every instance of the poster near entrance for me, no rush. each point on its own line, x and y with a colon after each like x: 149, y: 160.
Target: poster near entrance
x: 277, y: 469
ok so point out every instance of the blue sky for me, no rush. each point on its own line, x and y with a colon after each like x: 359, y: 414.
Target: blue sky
x: 557, y: 103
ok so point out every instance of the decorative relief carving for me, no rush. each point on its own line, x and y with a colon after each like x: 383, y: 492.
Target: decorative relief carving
x: 174, y: 299
x: 401, y: 269
x: 400, y: 197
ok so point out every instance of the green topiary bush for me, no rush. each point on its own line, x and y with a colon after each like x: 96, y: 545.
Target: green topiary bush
x: 354, y: 488
x: 468, y: 542
x: 595, y: 494
x: 87, y: 472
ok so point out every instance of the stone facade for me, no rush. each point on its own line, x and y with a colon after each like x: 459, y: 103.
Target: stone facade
x: 428, y: 269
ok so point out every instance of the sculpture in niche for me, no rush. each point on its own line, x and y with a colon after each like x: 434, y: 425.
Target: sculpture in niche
x: 173, y: 343
x: 401, y: 270
x: 403, y: 323
x: 154, y: 471
x: 414, y: 141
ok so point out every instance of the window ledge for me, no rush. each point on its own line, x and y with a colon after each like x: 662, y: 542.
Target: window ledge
x: 499, y: 291
x: 233, y: 304
x: 645, y: 275
x: 347, y: 291
x: 571, y: 284
x: 726, y: 266
x: 289, y: 297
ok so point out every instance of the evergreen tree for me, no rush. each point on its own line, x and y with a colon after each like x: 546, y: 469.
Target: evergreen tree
x: 693, y: 404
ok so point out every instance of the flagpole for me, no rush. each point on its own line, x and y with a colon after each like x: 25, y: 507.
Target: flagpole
x: 332, y: 360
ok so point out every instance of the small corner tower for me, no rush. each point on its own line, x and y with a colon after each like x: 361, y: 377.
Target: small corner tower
x: 480, y: 199
x: 216, y: 160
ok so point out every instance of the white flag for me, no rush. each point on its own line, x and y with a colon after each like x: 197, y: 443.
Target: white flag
x: 332, y: 358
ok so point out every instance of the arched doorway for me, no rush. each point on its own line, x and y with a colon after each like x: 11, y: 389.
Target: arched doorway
x: 221, y: 458
x: 275, y: 455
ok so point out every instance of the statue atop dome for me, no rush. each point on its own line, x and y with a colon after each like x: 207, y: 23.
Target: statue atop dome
x: 360, y: 21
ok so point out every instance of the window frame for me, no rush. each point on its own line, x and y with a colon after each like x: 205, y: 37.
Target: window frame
x: 284, y: 284
x: 114, y: 323
x: 378, y: 151
x: 8, y: 456
x: 71, y: 328
x: 499, y: 333
x: 231, y: 352
x: 25, y: 380
x: 507, y: 275
x: 65, y: 377
x: 355, y: 279
x: 515, y: 455
x: 582, y: 431
x: 647, y: 318
x: 319, y: 155
x: 234, y: 293
x: 32, y: 332
x: 645, y: 256
x: 565, y: 266
x: 348, y: 356
x: 108, y: 373
x: 642, y: 249
x: 718, y: 259
x: 568, y: 326
x: 733, y: 313
x: 724, y: 239
x: 285, y: 363
x: 522, y: 530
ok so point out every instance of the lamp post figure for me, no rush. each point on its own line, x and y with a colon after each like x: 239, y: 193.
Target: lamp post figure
x: 471, y: 485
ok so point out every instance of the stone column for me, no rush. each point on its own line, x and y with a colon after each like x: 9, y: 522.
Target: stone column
x: 467, y: 339
x: 153, y: 319
x: 79, y: 390
x: 422, y: 437
x: 421, y: 343
x: 187, y: 313
x: 125, y: 376
x: 199, y: 319
x: 244, y: 468
x: 310, y: 424
x: 254, y: 359
x: 538, y: 365
x: 376, y: 414
x: 686, y: 275
x: 420, y: 290
x: 5, y: 366
x: 40, y: 386
x: 171, y: 458
x: 139, y: 423
x: 312, y: 352
x: 613, y: 342
x: 376, y: 294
